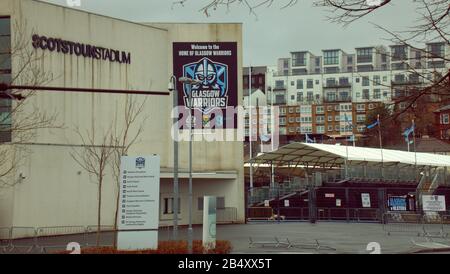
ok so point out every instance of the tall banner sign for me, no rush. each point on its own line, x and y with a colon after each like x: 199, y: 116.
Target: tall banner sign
x: 215, y: 66
x: 139, y: 202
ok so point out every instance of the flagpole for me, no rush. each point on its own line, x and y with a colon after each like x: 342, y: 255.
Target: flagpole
x: 250, y: 116
x: 415, y: 152
x: 381, y: 145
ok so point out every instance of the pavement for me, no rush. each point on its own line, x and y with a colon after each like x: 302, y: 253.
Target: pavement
x: 333, y: 237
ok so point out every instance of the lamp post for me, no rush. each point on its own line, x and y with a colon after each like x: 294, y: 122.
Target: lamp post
x: 189, y: 82
x: 176, y: 193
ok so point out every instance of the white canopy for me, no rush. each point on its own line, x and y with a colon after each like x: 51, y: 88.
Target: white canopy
x: 331, y: 155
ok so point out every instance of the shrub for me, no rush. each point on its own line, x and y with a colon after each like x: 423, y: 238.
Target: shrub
x: 165, y: 247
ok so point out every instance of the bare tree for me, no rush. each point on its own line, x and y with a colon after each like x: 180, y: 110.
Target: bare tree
x: 22, y: 119
x: 126, y: 133
x: 251, y: 5
x: 94, y: 156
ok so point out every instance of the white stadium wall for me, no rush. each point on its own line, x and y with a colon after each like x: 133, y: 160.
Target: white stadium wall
x: 56, y: 191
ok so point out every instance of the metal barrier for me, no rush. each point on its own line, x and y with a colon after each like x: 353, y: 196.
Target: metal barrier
x: 427, y: 225
x: 226, y: 215
x: 23, y: 238
x: 5, y: 239
x: 49, y: 238
x: 105, y: 238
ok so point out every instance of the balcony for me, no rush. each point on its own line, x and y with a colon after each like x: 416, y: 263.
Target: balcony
x: 337, y: 85
x: 338, y: 99
x: 406, y: 82
x: 280, y: 88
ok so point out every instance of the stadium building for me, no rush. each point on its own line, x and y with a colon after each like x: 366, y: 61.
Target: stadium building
x: 48, y: 45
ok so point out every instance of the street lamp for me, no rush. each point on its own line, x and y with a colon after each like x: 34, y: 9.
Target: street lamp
x: 176, y: 193
x: 189, y: 82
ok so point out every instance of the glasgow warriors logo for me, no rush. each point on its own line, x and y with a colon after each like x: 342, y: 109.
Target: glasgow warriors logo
x: 140, y: 163
x: 212, y: 92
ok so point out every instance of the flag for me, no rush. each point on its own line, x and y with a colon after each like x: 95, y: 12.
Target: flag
x: 373, y: 125
x: 409, y: 130
x: 308, y: 140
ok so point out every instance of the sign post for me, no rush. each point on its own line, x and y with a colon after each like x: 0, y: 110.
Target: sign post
x: 209, y: 222
x: 139, y: 203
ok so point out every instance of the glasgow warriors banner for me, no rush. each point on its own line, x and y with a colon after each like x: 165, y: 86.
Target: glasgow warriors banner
x: 214, y: 66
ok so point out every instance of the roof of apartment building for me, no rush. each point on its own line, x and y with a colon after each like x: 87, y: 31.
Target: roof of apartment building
x: 447, y: 107
x: 254, y: 90
x: 427, y: 144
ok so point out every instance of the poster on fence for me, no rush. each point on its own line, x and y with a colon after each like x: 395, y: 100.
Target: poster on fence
x: 397, y: 203
x: 433, y: 203
x: 365, y: 198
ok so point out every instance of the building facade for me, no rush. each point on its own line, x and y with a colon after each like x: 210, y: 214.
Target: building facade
x: 323, y: 94
x: 77, y: 49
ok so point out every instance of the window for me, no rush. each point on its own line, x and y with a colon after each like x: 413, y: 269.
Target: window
x: 399, y: 78
x: 364, y: 55
x: 337, y: 128
x: 292, y: 97
x: 297, y: 119
x: 357, y: 80
x: 299, y: 96
x: 291, y: 120
x: 330, y: 128
x: 361, y: 107
x: 319, y: 110
x: 283, y: 111
x: 279, y: 84
x: 331, y: 57
x: 292, y: 83
x: 329, y: 108
x: 385, y: 93
x: 377, y: 93
x: 376, y: 80
x: 349, y: 60
x: 298, y: 59
x: 365, y: 81
x: 398, y: 53
x: 300, y: 84
x: 366, y: 94
x: 291, y: 110
x: 445, y: 119
x: 5, y: 75
x: 297, y: 110
x: 337, y: 118
x: 310, y: 96
x: 168, y: 206
x: 361, y: 118
x: 371, y: 106
x: 306, y: 119
x: 320, y: 119
x: 317, y: 61
x: 320, y: 129
x: 306, y: 109
x: 220, y: 203
x: 282, y: 121
x: 436, y: 50
x: 330, y: 118
x: 384, y: 78
x: 309, y: 83
x: 317, y: 82
x: 291, y: 129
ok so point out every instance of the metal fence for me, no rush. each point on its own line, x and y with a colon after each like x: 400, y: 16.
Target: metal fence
x: 427, y: 224
x: 226, y: 215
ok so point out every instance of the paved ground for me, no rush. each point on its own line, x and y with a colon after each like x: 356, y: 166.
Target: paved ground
x: 344, y: 237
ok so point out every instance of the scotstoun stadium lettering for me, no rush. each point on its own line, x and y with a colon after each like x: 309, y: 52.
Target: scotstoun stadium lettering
x: 79, y: 49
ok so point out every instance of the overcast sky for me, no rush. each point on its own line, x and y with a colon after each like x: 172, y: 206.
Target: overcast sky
x: 275, y: 32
